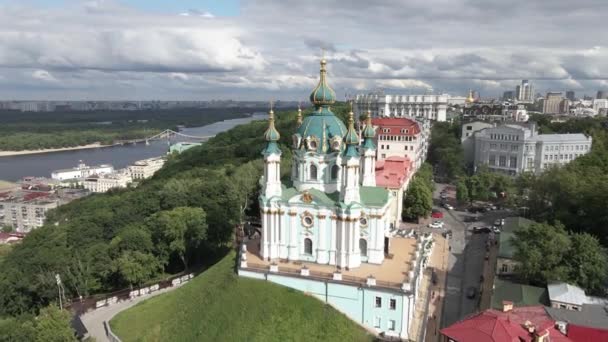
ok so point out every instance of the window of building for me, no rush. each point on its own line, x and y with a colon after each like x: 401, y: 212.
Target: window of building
x: 383, y: 156
x: 391, y: 325
x: 469, y: 128
x: 393, y: 304
x: 334, y: 172
x: 363, y: 247
x: 492, y: 160
x: 313, y: 172
x: 502, y: 161
x: 504, y: 268
x: 514, y: 148
x: 378, y: 302
x: 377, y: 322
x: 513, y: 162
x: 308, y: 246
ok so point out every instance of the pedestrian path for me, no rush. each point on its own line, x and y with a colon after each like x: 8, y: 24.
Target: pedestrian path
x: 94, y: 319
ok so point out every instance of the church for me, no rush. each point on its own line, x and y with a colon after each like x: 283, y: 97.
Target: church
x: 327, y: 230
x: 331, y: 212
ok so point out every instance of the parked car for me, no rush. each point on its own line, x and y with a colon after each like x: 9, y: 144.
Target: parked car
x: 470, y: 219
x: 491, y: 207
x: 437, y: 214
x: 436, y: 225
x: 443, y: 196
x: 471, y: 292
x: 496, y: 230
x: 474, y: 209
x: 448, y: 206
x: 499, y: 222
x: 481, y: 229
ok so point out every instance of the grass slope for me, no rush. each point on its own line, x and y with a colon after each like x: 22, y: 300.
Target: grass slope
x: 219, y: 306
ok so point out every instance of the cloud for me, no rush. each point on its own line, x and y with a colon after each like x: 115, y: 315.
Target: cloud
x: 104, y: 48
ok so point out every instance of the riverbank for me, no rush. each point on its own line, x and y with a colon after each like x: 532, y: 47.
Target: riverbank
x: 49, y: 150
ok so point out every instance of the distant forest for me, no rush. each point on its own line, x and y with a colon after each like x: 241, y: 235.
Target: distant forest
x: 43, y: 130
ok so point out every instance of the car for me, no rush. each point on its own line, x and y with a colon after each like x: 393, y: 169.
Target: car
x: 448, y: 206
x: 496, y: 230
x: 499, y: 222
x: 443, y: 196
x: 437, y: 215
x: 436, y: 225
x: 471, y: 292
x: 490, y: 207
x: 470, y: 219
x: 481, y: 229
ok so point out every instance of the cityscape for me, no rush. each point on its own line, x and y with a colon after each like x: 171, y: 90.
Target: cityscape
x: 235, y: 171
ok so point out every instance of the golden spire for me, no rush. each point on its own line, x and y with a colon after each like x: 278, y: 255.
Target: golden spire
x: 300, y: 119
x: 351, y: 135
x: 271, y: 133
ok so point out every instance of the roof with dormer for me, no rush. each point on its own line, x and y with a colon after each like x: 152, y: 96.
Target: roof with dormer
x: 396, y: 126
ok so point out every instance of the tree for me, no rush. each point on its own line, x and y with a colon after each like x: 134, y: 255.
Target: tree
x: 53, y: 324
x: 247, y: 179
x: 7, y: 229
x: 135, y: 268
x: 179, y: 231
x: 462, y: 192
x: 418, y: 200
x: 540, y: 250
x: 587, y: 262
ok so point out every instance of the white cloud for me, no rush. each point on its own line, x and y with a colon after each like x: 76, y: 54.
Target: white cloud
x: 103, y: 48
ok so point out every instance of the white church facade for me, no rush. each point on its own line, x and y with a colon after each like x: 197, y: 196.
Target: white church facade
x: 328, y: 230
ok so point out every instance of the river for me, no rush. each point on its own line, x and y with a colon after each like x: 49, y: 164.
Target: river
x: 13, y: 168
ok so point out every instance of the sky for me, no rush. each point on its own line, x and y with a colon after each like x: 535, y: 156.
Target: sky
x: 268, y: 49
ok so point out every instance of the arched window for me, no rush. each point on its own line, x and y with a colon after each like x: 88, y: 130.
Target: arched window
x: 313, y: 172
x: 308, y: 246
x: 334, y: 172
x: 363, y: 247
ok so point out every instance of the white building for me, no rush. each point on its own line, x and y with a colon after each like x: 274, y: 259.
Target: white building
x: 513, y: 148
x: 431, y: 107
x: 143, y: 169
x: 515, y: 113
x: 25, y: 210
x: 402, y: 137
x: 600, y: 106
x: 328, y: 231
x: 525, y: 92
x: 105, y: 182
x: 81, y: 171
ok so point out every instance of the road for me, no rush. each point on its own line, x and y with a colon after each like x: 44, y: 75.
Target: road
x: 93, y: 320
x: 466, y: 258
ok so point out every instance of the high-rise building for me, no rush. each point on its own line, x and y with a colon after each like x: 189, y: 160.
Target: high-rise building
x: 508, y: 95
x: 570, y: 95
x: 554, y: 103
x: 602, y: 94
x: 525, y: 91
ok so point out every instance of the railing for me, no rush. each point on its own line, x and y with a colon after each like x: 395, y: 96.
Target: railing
x: 323, y: 276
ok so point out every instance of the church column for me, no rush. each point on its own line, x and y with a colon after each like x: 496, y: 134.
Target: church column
x: 293, y: 245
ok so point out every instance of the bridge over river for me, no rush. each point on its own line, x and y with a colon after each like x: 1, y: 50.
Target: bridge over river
x: 168, y: 135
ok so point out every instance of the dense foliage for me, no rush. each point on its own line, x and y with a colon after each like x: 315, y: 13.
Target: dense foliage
x: 548, y: 253
x: 418, y: 200
x: 184, y: 215
x: 33, y: 130
x: 220, y: 306
x: 51, y: 325
x: 445, y: 152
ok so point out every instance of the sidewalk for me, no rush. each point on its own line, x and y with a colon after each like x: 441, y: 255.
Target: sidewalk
x: 439, y: 262
x: 93, y: 320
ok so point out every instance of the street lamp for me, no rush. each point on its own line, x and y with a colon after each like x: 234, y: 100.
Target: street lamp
x: 60, y: 290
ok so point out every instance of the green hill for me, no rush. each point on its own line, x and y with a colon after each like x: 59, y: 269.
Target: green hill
x: 220, y: 306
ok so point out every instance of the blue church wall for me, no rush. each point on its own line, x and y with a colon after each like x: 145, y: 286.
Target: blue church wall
x: 358, y: 303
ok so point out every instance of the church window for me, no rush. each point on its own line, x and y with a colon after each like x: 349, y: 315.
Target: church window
x: 334, y: 172
x: 307, y: 220
x: 363, y: 247
x: 393, y: 304
x: 313, y: 172
x: 308, y: 246
x: 363, y: 221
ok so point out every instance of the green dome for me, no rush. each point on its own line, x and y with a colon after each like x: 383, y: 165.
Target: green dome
x: 272, y: 136
x: 323, y: 127
x: 323, y: 95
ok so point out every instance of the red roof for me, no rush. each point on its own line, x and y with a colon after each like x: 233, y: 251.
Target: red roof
x: 33, y: 195
x: 396, y: 126
x: 497, y: 326
x: 393, y: 172
x: 578, y: 333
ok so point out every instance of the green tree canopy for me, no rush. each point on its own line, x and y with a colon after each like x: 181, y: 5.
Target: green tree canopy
x: 587, y: 262
x: 418, y: 200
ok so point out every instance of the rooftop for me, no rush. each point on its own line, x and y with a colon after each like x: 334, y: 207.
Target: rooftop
x: 557, y: 138
x: 392, y: 273
x: 393, y: 172
x: 519, y: 294
x: 566, y: 293
x: 395, y: 126
x: 24, y: 196
x: 497, y: 326
x: 371, y: 196
x: 591, y: 315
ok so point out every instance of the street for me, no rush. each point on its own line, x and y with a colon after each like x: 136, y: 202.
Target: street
x: 466, y: 257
